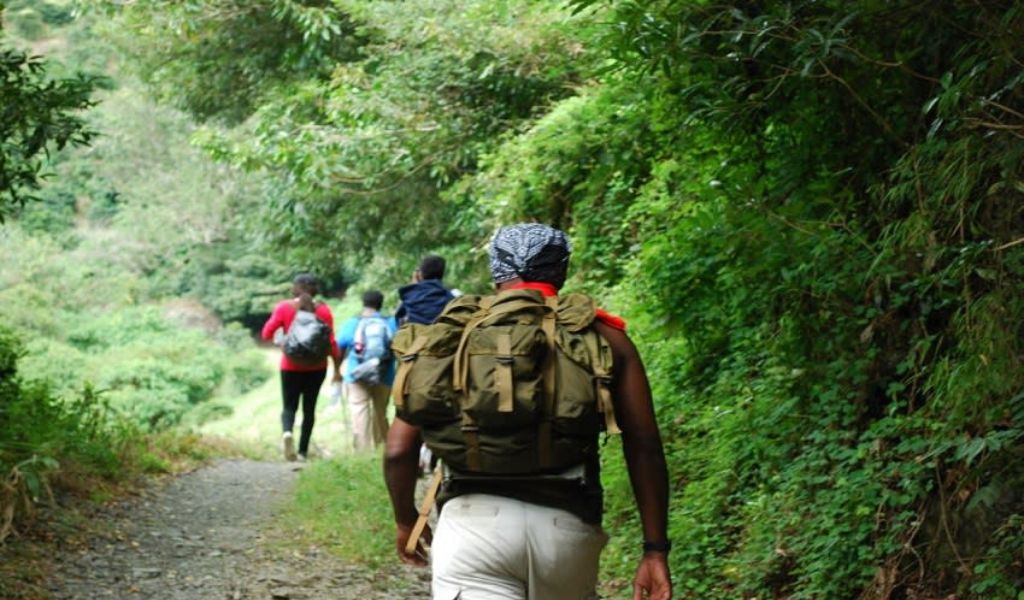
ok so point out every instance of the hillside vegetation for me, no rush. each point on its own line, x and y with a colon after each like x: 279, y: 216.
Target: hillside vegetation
x: 113, y: 288
x: 809, y: 211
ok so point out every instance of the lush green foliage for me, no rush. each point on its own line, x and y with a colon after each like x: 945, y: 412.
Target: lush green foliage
x: 118, y: 277
x: 361, y: 149
x: 809, y: 210
x: 48, y: 440
x: 141, y: 191
x: 40, y: 428
x: 82, y: 323
x: 38, y: 113
x: 826, y: 228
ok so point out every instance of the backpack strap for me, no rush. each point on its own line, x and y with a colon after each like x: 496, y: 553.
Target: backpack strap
x: 428, y: 504
x: 503, y: 375
x: 360, y: 335
x: 471, y: 433
x: 404, y: 366
x: 603, y: 380
x: 545, y: 433
x: 602, y: 383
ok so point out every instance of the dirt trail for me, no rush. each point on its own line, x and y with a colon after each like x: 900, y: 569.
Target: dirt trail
x: 212, y: 534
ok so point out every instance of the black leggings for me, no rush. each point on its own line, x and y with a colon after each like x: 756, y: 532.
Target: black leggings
x: 307, y: 385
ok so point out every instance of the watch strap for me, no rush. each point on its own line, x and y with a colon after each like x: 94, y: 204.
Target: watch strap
x: 662, y: 546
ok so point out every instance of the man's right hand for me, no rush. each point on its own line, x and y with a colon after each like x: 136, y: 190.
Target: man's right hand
x: 652, y: 577
x: 419, y: 557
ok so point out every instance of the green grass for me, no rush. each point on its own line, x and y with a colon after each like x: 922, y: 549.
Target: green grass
x: 255, y: 421
x: 340, y: 502
x: 343, y: 505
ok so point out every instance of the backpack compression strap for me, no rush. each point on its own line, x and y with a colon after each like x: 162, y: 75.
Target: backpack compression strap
x: 545, y: 434
x: 404, y: 366
x: 360, y: 335
x: 603, y: 382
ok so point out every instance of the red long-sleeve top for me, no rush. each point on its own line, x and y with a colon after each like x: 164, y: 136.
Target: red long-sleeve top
x: 282, y: 317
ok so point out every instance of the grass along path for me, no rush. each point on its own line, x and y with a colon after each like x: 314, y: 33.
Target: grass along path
x: 255, y: 422
x: 339, y: 502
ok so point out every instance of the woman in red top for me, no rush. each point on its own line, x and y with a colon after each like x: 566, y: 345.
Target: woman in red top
x: 301, y: 380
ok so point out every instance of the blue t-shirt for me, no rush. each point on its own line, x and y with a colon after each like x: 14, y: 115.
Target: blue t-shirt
x: 347, y: 339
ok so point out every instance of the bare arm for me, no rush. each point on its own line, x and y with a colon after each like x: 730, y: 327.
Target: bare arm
x: 338, y: 356
x: 324, y: 312
x: 645, y: 459
x: 401, y: 469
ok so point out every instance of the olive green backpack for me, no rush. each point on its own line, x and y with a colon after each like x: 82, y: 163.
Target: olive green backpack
x: 509, y: 384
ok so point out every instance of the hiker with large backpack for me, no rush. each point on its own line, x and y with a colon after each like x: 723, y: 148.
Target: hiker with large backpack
x: 365, y: 344
x: 513, y: 391
x: 307, y: 341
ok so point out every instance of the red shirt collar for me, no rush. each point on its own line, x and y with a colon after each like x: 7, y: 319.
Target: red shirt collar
x: 544, y: 288
x: 549, y: 290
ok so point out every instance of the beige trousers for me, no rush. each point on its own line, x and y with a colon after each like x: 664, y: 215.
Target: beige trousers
x: 368, y: 411
x: 495, y: 548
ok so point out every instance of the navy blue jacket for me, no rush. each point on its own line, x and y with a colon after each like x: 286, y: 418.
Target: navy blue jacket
x: 422, y: 302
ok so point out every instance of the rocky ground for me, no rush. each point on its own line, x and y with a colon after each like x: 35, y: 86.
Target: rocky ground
x: 213, y: 534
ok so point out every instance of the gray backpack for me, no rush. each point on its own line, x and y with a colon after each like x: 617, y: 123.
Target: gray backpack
x: 308, y: 341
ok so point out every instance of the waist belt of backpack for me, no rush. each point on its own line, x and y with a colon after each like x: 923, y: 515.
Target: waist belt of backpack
x: 443, y: 473
x: 576, y: 473
x: 425, y: 508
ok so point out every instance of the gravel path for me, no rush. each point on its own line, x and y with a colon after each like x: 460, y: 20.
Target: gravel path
x: 211, y: 534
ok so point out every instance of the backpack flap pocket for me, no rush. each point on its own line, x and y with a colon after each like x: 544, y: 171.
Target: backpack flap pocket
x: 422, y: 390
x: 576, y: 406
x: 583, y: 370
x: 503, y: 383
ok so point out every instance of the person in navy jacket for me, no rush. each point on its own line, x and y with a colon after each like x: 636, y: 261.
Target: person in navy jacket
x: 424, y: 298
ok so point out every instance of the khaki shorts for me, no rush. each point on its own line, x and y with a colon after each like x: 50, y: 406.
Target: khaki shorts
x: 494, y: 548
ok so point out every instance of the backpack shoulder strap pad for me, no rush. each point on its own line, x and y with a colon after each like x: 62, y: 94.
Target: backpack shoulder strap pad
x: 576, y: 312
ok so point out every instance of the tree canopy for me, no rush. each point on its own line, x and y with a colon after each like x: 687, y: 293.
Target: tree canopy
x: 38, y: 113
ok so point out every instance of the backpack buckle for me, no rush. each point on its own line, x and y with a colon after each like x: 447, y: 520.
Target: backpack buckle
x: 504, y: 360
x: 409, y: 357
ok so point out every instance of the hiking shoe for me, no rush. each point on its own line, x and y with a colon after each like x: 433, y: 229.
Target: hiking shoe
x: 289, y: 446
x: 303, y: 457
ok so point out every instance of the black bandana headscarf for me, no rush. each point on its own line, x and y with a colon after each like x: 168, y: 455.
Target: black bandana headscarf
x: 531, y: 251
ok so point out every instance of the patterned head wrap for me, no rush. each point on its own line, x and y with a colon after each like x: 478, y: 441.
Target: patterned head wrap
x: 531, y: 251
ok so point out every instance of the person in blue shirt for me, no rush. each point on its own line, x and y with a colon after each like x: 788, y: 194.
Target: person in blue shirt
x: 365, y: 344
x: 424, y: 298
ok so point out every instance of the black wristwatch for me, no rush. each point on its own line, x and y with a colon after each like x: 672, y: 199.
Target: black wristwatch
x: 663, y: 546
